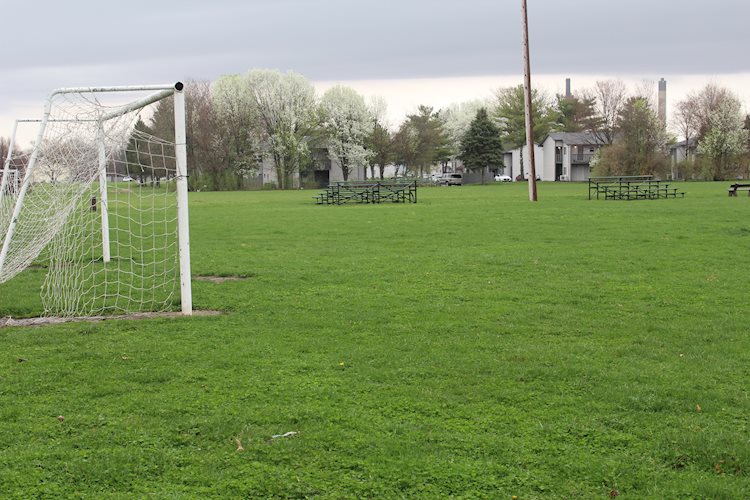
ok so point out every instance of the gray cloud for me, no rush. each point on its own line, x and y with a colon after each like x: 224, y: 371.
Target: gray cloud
x: 344, y: 39
x: 84, y: 42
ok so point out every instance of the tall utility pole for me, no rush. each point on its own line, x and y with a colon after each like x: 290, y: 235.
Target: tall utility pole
x: 527, y: 95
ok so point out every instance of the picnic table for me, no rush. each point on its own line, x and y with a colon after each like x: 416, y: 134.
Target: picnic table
x: 369, y: 191
x: 632, y: 187
x: 739, y: 187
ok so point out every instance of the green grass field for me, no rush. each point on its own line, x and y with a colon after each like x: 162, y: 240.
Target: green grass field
x: 473, y: 345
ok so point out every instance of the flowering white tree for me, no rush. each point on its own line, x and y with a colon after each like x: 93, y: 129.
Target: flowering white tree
x: 284, y: 107
x: 236, y: 125
x: 347, y: 123
x: 458, y: 118
x: 725, y: 139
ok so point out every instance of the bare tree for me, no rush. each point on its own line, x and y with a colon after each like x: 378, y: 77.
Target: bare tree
x: 4, y: 148
x: 644, y: 90
x: 380, y: 141
x: 404, y: 147
x: 686, y: 121
x: 19, y: 159
x: 382, y: 145
x: 610, y: 97
x: 206, y: 153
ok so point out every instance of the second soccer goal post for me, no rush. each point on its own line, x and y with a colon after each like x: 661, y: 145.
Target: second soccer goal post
x: 102, y: 203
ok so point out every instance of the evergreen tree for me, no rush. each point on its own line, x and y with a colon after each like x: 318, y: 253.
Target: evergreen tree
x: 481, y: 146
x: 512, y: 116
x: 575, y: 114
x: 431, y: 143
x: 138, y: 153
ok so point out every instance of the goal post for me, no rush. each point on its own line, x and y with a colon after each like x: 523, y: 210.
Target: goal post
x: 182, y: 199
x: 103, y: 198
x: 130, y: 256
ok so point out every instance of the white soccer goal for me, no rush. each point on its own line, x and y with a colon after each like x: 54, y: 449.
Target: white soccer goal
x: 103, y: 203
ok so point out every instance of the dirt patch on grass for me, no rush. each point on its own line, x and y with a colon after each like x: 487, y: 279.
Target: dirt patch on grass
x: 7, y: 322
x: 220, y: 279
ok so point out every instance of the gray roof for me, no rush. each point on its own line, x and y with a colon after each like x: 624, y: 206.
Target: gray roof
x: 574, y: 138
x: 681, y: 144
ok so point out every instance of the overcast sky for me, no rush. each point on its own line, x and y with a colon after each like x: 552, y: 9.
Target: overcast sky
x: 51, y: 44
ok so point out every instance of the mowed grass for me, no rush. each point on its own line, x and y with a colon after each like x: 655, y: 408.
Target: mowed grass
x: 473, y: 345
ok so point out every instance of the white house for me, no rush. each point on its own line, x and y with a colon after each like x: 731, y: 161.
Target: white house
x: 561, y: 156
x: 568, y: 155
x: 515, y: 157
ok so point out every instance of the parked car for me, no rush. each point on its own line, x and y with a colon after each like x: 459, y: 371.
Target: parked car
x: 452, y: 179
x: 503, y: 178
x: 127, y: 179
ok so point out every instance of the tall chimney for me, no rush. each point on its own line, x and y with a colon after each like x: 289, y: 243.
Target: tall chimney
x: 567, y: 88
x: 662, y: 109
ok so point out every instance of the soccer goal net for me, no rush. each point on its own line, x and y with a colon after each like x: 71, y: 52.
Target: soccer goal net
x: 102, y: 203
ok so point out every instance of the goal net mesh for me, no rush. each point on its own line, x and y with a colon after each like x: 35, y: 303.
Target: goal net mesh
x: 10, y: 182
x: 99, y: 165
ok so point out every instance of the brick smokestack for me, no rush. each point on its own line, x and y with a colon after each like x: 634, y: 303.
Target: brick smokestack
x: 567, y: 88
x: 662, y: 109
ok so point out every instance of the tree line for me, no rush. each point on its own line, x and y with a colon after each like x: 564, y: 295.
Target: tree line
x: 635, y: 142
x: 238, y: 123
